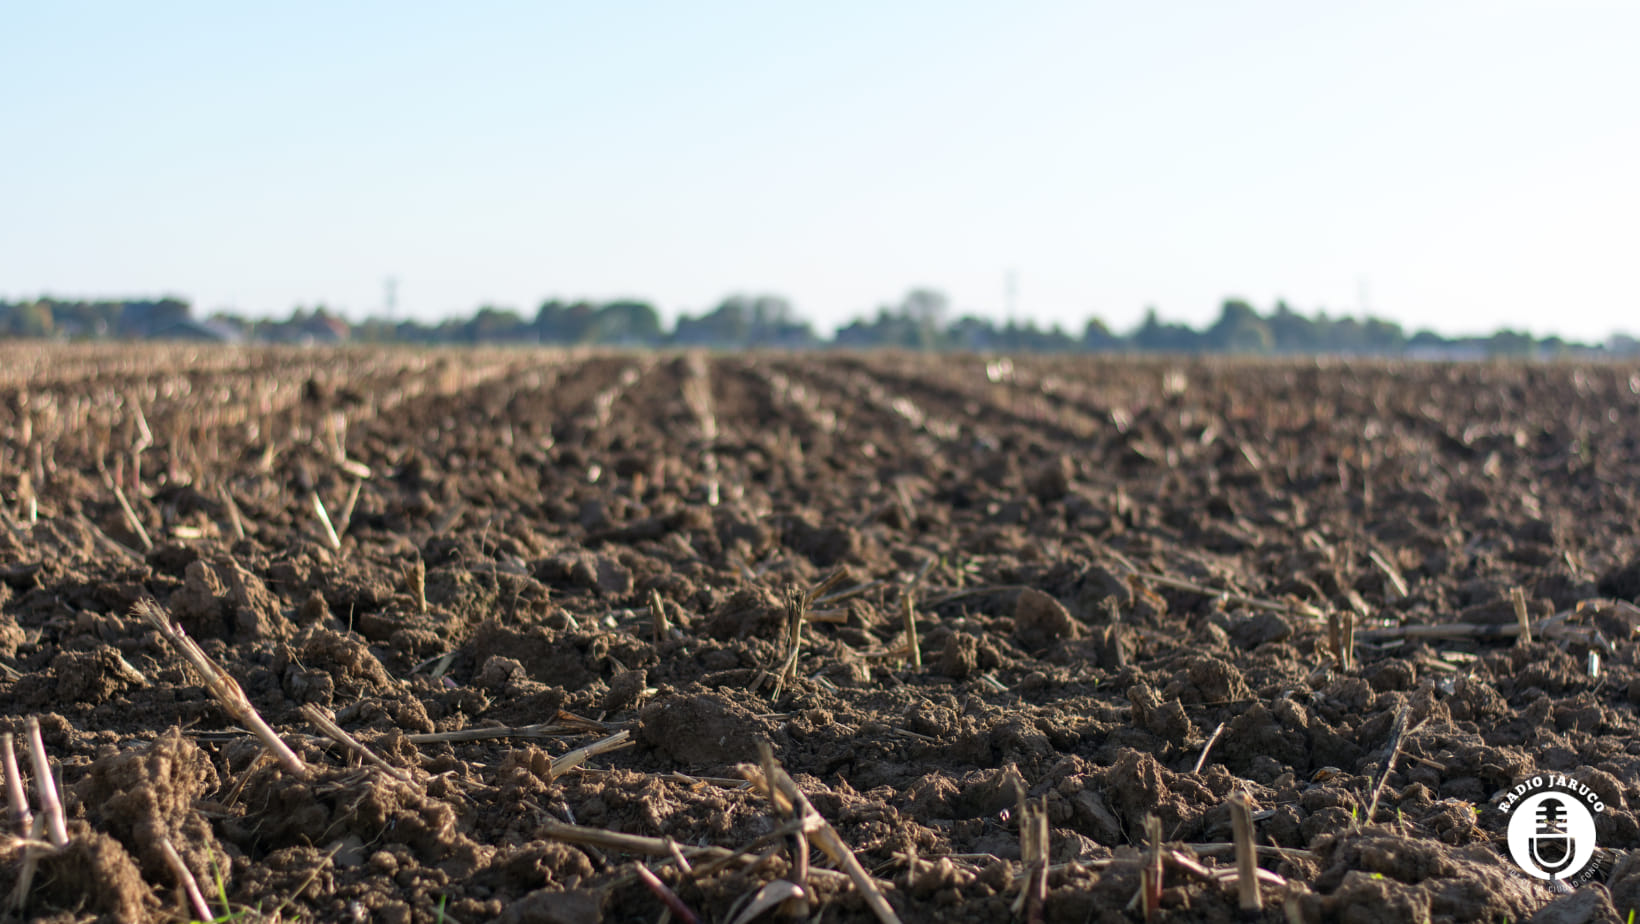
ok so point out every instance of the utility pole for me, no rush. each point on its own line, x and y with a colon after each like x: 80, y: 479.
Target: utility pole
x: 1010, y: 286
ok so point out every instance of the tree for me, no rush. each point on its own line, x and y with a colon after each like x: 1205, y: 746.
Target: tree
x: 1291, y: 332
x: 1156, y: 336
x: 972, y: 333
x: 887, y: 329
x: 746, y: 321
x: 557, y: 322
x: 629, y: 323
x: 1239, y: 329
x: 29, y: 319
x: 1383, y: 337
x: 491, y: 323
x: 142, y: 318
x: 727, y: 325
x: 1511, y: 343
x: 1099, y: 338
x: 925, y: 310
x: 915, y: 323
x: 1344, y: 336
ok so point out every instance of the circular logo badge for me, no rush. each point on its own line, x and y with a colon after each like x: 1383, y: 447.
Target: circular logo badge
x: 1551, y: 835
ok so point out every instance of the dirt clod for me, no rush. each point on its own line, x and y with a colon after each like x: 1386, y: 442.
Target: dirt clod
x: 1040, y: 620
x: 702, y: 731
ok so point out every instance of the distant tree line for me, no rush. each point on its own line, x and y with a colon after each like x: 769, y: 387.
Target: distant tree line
x: 921, y: 320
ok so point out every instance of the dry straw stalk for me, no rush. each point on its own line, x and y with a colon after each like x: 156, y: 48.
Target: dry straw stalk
x: 20, y: 819
x: 1241, y: 821
x: 830, y: 841
x: 45, y: 787
x: 222, y: 686
x: 336, y: 733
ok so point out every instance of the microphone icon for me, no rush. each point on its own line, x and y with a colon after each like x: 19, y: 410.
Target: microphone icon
x: 1551, y: 842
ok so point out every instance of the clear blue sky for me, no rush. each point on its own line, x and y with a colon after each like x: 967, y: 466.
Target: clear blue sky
x: 1455, y: 165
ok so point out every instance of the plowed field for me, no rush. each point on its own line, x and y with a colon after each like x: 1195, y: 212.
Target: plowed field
x: 964, y: 601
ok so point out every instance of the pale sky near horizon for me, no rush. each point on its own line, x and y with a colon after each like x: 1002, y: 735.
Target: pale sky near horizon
x: 1461, y: 165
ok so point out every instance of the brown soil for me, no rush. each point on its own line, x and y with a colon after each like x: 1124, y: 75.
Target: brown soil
x: 553, y: 499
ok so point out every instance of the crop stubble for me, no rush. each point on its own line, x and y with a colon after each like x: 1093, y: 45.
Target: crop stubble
x: 554, y: 586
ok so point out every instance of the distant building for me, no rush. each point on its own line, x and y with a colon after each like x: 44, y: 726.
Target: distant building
x: 199, y: 332
x: 319, y: 327
x: 325, y: 328
x: 1459, y: 351
x: 1622, y: 345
